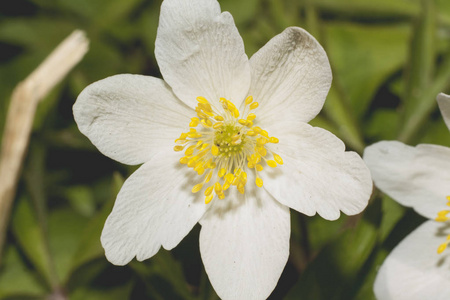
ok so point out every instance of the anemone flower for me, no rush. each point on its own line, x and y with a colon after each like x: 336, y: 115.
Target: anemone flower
x: 223, y: 141
x: 418, y: 177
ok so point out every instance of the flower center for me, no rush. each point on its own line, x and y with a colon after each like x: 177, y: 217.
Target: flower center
x: 442, y: 217
x: 222, y: 147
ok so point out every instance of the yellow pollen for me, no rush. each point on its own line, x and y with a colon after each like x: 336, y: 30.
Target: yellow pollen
x: 259, y: 182
x: 222, y: 147
x: 442, y: 217
x: 278, y: 159
x: 208, y: 198
x: 208, y: 191
x: 197, y: 187
x: 272, y: 163
x: 254, y: 105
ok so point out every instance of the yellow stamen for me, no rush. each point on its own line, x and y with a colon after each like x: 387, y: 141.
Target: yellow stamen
x: 254, y: 105
x: 259, y: 182
x: 272, y: 163
x: 197, y: 187
x: 248, y: 100
x: 278, y: 159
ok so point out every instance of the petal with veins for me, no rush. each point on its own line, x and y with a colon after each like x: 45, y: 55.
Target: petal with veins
x: 291, y: 76
x: 200, y: 52
x: 130, y: 118
x: 244, y: 244
x: 154, y: 208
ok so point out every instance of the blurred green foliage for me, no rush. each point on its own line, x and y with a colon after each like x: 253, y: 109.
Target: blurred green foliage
x: 389, y: 59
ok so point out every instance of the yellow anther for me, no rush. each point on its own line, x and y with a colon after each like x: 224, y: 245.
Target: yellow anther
x: 226, y: 185
x: 214, y: 150
x: 273, y: 140
x: 251, y: 133
x: 202, y: 100
x: 229, y: 177
x: 194, y: 122
x: 190, y: 150
x: 259, y: 168
x: 218, y: 118
x: 206, y: 108
x: 261, y: 141
x: 204, y: 146
x: 192, y: 161
x: 209, y: 190
x: 448, y: 198
x: 184, y: 160
x: 217, y: 125
x: 208, y: 177
x: 264, y: 133
x: 180, y: 141
x: 197, y: 187
x: 242, y: 121
x: 254, y: 105
x: 178, y: 148
x: 222, y: 172
x: 236, y: 112
x: 217, y: 188
x: 250, y: 165
x: 212, y: 165
x: 442, y: 247
x: 249, y: 124
x: 202, y: 115
x: 201, y: 171
x: 208, y: 198
x: 221, y: 196
x: 248, y: 100
x: 272, y: 163
x: 206, y: 123
x: 278, y: 159
x: 262, y: 151
x: 251, y: 117
x: 259, y: 182
x: 257, y: 129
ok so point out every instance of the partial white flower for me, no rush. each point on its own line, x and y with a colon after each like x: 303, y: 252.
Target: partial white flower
x: 224, y: 141
x: 416, y: 177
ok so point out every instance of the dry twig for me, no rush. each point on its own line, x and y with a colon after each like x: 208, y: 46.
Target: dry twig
x: 19, y: 121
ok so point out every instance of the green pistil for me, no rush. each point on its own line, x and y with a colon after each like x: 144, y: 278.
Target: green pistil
x: 229, y: 139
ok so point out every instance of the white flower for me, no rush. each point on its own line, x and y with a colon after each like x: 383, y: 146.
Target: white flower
x: 252, y: 152
x: 416, y: 177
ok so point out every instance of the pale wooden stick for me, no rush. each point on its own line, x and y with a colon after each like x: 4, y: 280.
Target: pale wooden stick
x: 24, y: 100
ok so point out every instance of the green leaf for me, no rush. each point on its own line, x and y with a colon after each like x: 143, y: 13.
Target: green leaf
x: 65, y: 230
x: 363, y: 56
x: 89, y: 247
x: 31, y: 238
x: 81, y: 199
x: 338, y: 265
x: 16, y: 279
x: 420, y: 71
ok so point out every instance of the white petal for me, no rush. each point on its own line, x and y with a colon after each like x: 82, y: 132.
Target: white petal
x: 244, y: 243
x: 200, y: 52
x: 416, y: 177
x: 444, y: 105
x: 154, y: 207
x: 291, y: 76
x: 414, y: 270
x: 318, y: 175
x: 131, y: 117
